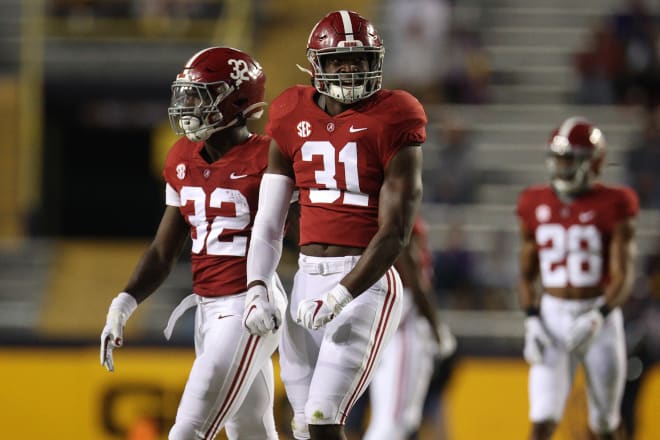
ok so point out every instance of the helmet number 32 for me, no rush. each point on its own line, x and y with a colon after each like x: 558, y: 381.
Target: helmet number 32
x: 570, y: 255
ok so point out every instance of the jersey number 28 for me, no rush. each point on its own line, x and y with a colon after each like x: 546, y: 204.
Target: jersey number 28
x: 570, y: 255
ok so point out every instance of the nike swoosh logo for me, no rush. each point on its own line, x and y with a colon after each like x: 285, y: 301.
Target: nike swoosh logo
x: 227, y: 316
x: 355, y: 130
x: 586, y: 216
x: 237, y: 176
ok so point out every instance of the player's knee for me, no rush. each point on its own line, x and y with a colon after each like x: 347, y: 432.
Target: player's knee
x: 543, y: 430
x: 183, y: 431
x: 604, y: 423
x: 321, y: 412
x: 387, y: 431
x: 299, y: 427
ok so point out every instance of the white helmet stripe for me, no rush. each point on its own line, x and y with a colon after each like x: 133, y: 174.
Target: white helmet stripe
x: 348, y: 26
x: 567, y: 126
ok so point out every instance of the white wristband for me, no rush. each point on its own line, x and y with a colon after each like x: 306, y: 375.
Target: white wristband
x: 338, y: 297
x: 124, y: 303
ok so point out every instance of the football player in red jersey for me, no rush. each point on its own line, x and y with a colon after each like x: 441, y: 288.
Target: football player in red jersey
x: 578, y: 236
x: 398, y: 390
x: 212, y: 177
x: 352, y: 150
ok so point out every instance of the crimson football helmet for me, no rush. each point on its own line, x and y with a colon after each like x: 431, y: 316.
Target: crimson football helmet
x: 576, y: 151
x: 217, y: 88
x: 345, y: 32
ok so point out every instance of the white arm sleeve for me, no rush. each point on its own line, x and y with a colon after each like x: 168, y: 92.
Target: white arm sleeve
x: 265, y: 249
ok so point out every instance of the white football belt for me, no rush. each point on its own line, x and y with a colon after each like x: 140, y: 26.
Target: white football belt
x: 185, y: 304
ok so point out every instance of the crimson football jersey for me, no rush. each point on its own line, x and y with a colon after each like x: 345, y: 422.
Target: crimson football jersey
x: 219, y: 202
x: 573, y: 238
x: 339, y: 161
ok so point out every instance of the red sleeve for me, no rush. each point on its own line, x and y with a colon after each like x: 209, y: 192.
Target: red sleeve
x: 280, y: 107
x: 522, y: 209
x: 407, y: 123
x: 172, y: 160
x: 527, y: 202
x: 629, y: 204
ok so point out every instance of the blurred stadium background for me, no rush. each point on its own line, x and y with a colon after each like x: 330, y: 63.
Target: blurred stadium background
x: 84, y: 88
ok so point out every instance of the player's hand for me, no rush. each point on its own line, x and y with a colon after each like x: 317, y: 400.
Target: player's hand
x: 315, y: 313
x: 259, y: 315
x: 112, y: 337
x: 537, y: 340
x: 584, y: 330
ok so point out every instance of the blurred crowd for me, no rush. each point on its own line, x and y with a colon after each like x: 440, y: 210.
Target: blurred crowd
x: 441, y: 41
x: 136, y: 9
x: 620, y: 63
x: 435, y: 51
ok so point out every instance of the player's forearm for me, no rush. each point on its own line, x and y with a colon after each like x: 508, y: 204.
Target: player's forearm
x: 527, y: 295
x: 378, y: 257
x: 622, y: 277
x: 265, y: 248
x: 426, y: 308
x: 149, y: 274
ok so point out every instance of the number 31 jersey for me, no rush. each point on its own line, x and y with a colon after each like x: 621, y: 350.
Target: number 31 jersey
x: 339, y: 161
x: 573, y: 238
x: 219, y: 202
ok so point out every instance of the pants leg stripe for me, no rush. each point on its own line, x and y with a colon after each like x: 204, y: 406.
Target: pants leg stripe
x: 237, y: 383
x: 380, y: 331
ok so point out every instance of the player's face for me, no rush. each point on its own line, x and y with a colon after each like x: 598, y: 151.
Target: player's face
x: 346, y: 63
x: 564, y: 167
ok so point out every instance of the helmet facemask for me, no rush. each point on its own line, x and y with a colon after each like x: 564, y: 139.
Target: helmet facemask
x: 570, y: 173
x: 195, y: 109
x: 348, y: 87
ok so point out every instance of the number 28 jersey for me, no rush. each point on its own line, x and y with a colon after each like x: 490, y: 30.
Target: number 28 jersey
x: 219, y: 202
x: 339, y: 161
x: 573, y: 239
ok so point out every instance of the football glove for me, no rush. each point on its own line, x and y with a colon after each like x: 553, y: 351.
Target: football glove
x: 537, y: 340
x: 259, y: 315
x: 121, y: 308
x: 315, y: 313
x: 584, y: 329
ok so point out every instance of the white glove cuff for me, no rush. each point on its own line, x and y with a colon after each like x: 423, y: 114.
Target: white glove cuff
x: 532, y: 321
x: 338, y: 297
x: 124, y: 304
x: 257, y: 290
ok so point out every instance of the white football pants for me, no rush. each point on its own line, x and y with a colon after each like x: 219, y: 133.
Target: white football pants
x: 231, y: 381
x: 398, y: 389
x: 325, y: 371
x: 604, y: 364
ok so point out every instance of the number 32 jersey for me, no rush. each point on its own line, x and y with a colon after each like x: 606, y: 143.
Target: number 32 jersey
x: 219, y: 202
x: 573, y: 239
x: 339, y: 161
